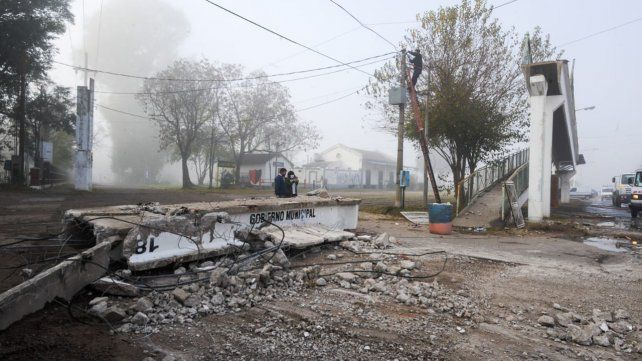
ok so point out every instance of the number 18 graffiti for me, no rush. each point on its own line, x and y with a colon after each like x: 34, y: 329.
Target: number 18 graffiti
x: 141, y: 246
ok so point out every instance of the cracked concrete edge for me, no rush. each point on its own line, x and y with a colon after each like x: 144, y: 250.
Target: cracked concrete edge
x: 63, y: 280
x: 232, y: 207
x: 186, y: 225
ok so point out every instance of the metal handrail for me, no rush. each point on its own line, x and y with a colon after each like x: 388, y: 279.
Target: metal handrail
x: 520, y: 179
x: 469, y: 188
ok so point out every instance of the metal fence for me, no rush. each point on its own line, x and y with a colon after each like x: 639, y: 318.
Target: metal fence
x: 486, y: 177
x: 520, y: 179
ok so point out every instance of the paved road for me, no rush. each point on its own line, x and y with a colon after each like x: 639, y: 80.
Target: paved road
x: 600, y: 212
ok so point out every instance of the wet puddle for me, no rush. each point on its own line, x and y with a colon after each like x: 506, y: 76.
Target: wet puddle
x: 609, y: 244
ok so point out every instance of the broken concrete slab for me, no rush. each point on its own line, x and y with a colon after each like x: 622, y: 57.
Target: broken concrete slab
x: 157, y: 236
x: 305, y: 237
x: 63, y: 280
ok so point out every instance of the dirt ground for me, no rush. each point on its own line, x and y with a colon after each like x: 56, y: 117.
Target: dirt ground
x: 512, y: 278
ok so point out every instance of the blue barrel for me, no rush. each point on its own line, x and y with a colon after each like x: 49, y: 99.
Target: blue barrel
x: 440, y: 218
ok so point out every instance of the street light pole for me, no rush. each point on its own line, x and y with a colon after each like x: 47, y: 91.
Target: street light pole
x: 587, y: 108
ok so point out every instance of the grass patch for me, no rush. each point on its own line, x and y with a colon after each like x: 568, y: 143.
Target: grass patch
x: 389, y: 210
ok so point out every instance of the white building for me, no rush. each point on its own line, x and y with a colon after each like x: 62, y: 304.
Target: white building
x: 341, y: 166
x: 259, y: 169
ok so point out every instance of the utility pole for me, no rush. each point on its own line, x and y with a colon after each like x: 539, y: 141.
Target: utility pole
x: 211, y: 156
x: 22, y: 131
x: 426, y: 137
x: 84, y: 130
x: 86, y: 69
x: 400, y: 129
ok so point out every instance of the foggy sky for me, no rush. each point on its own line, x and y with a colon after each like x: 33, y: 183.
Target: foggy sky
x: 606, y: 71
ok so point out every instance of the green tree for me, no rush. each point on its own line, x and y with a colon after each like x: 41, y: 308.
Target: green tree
x: 477, y: 104
x: 49, y: 110
x: 63, y: 143
x: 541, y: 47
x: 27, y: 31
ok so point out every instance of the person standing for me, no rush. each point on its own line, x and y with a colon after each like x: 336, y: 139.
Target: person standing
x: 292, y: 183
x: 417, y: 65
x: 280, y: 188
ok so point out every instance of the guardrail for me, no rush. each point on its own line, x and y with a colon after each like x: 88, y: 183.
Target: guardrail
x: 469, y: 188
x: 520, y: 179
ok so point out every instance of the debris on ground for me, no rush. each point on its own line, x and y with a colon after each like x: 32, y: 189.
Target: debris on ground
x: 601, y: 328
x: 234, y: 284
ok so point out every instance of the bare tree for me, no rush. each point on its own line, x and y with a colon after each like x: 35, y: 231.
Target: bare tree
x: 182, y: 108
x: 256, y: 114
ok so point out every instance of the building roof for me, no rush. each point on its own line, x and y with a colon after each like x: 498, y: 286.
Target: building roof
x: 370, y: 155
x: 323, y: 164
x: 261, y: 158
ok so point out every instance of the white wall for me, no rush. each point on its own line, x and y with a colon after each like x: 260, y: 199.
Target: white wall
x: 267, y: 169
x: 350, y: 158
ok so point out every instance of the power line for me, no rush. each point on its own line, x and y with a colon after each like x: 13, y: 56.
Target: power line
x: 504, y: 4
x: 100, y: 19
x: 76, y: 67
x: 296, y: 110
x: 239, y: 85
x: 362, y: 24
x: 315, y: 45
x: 329, y: 101
x: 328, y: 94
x: 84, y: 42
x: 601, y: 32
x: 283, y: 36
x: 124, y: 112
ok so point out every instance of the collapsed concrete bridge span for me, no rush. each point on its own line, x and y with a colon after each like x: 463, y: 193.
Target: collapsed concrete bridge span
x: 155, y: 235
x: 150, y: 236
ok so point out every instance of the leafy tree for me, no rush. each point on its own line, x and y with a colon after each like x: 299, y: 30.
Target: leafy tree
x: 541, y: 47
x: 27, y: 31
x: 477, y: 104
x: 63, y: 143
x: 182, y: 108
x: 49, y: 110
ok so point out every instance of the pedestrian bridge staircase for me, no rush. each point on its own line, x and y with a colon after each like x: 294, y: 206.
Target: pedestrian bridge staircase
x: 483, y: 200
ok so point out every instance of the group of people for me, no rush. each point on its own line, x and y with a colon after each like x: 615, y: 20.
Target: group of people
x: 286, y: 184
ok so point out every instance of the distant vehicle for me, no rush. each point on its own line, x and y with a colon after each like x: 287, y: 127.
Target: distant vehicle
x: 575, y: 194
x: 606, y: 192
x: 622, y: 191
x: 636, y: 194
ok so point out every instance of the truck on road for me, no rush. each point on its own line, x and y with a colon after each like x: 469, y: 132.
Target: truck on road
x: 622, y: 189
x: 636, y: 194
x: 579, y: 194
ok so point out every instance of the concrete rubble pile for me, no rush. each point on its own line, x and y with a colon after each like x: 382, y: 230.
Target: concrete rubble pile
x: 602, y: 328
x: 232, y: 287
x: 149, y: 237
